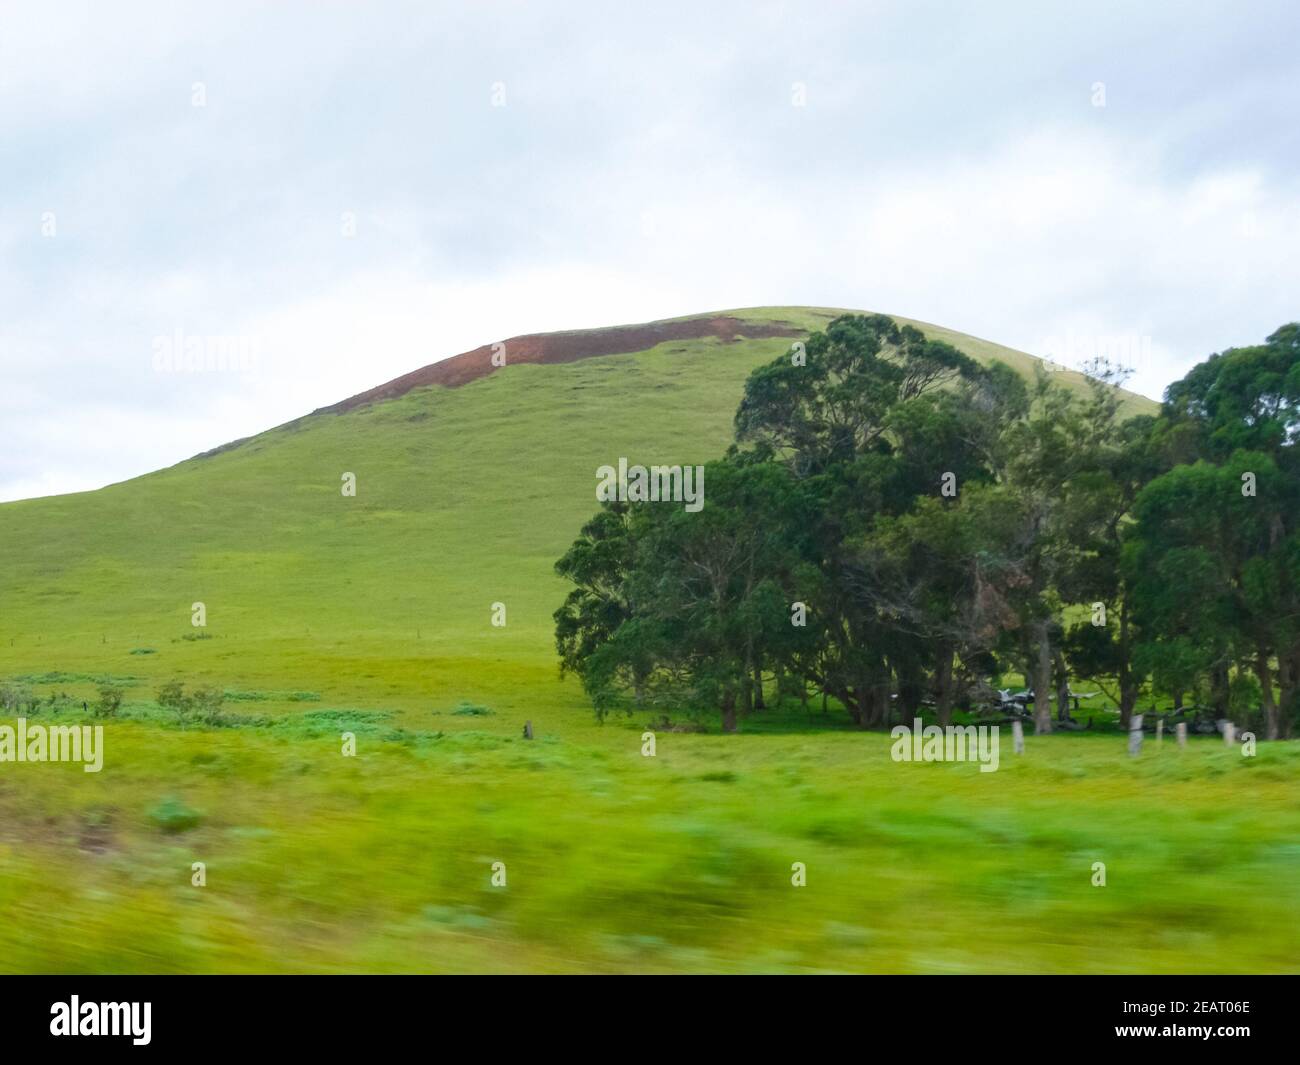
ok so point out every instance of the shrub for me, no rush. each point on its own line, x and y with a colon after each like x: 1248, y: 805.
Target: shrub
x: 171, y: 696
x: 172, y: 815
x: 110, y: 699
x: 471, y: 710
x: 207, y: 702
x: 14, y: 696
x: 202, y: 704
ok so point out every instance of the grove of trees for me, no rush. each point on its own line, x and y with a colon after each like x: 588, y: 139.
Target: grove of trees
x: 896, y: 525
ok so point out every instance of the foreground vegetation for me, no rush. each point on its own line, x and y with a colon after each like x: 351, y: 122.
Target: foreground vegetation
x: 619, y: 862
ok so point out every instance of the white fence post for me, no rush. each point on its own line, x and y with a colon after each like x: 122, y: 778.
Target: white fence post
x: 1135, y: 735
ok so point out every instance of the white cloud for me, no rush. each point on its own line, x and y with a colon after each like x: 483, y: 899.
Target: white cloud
x: 960, y: 177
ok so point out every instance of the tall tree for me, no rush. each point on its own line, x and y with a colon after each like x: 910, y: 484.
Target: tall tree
x: 1232, y: 423
x: 860, y: 419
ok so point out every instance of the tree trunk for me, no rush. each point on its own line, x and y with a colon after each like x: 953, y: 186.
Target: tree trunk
x: 1128, y: 687
x: 911, y: 689
x: 1062, y: 687
x: 1042, y: 678
x: 878, y: 699
x: 747, y: 683
x: 943, y: 685
x: 729, y: 711
x: 1266, y: 694
x: 759, y: 704
x: 1127, y: 701
x: 866, y: 706
x: 1219, y: 691
x: 1286, y: 679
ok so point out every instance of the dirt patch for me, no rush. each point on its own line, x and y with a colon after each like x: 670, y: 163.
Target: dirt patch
x: 564, y: 347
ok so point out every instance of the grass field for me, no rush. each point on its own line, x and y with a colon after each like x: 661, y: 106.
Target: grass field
x: 372, y: 615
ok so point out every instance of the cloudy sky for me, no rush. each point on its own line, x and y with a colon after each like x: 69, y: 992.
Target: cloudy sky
x: 350, y: 191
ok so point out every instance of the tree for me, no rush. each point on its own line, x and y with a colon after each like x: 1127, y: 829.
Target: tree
x: 925, y: 512
x: 1050, y: 456
x: 1120, y: 459
x: 706, y: 604
x: 1231, y: 424
x: 945, y: 575
x: 597, y: 563
x: 1205, y: 565
x: 833, y: 406
x: 865, y: 422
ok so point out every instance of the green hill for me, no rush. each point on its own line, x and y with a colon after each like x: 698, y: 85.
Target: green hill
x: 466, y: 496
x: 373, y: 615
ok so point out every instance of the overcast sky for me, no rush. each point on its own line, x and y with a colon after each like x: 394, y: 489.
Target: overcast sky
x: 356, y: 190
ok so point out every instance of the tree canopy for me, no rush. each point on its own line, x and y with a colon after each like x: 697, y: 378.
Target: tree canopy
x: 896, y: 525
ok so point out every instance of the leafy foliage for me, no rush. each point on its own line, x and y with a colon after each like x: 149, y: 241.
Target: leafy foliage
x: 894, y: 523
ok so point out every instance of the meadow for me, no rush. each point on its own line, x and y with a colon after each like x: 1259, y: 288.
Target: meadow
x: 372, y: 615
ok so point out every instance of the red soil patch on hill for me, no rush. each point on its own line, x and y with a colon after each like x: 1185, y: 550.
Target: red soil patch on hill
x: 564, y: 347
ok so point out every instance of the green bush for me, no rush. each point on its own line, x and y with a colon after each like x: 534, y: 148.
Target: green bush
x: 203, y: 704
x: 171, y: 696
x: 471, y: 710
x: 15, y: 695
x: 110, y: 700
x: 207, y: 703
x: 172, y: 815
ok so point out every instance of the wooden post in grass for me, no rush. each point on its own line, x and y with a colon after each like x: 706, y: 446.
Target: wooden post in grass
x: 1160, y: 731
x: 1181, y: 730
x: 528, y: 730
x: 1018, y: 736
x: 1135, y: 735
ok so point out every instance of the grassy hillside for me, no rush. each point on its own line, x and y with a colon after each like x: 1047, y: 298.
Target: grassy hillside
x: 373, y: 615
x: 465, y: 497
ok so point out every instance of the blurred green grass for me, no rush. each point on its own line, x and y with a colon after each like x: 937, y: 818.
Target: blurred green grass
x: 619, y: 862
